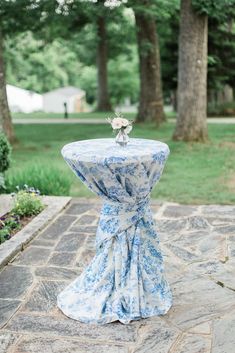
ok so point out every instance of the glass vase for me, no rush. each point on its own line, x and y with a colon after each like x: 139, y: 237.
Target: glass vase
x: 122, y: 138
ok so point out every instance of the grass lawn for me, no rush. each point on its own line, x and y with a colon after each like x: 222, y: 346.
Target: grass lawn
x: 91, y: 115
x: 194, y: 173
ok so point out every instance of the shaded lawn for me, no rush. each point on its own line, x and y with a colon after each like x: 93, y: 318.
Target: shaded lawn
x: 194, y: 174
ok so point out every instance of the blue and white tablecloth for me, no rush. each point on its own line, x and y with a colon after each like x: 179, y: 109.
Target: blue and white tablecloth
x: 125, y: 280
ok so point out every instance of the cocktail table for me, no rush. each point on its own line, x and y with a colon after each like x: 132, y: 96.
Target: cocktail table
x: 125, y: 280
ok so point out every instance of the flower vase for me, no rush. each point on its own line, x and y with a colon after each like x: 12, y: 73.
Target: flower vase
x: 122, y: 138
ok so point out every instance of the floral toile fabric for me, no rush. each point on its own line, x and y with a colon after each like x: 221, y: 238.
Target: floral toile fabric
x: 125, y: 280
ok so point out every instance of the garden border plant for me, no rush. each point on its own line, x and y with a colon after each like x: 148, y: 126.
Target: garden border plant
x: 54, y: 205
x: 27, y: 204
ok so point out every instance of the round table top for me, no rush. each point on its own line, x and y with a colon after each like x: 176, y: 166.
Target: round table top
x: 100, y: 150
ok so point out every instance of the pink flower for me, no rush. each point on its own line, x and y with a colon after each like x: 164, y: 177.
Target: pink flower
x: 117, y: 123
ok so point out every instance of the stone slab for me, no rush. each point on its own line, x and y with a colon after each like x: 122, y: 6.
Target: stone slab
x: 43, y: 297
x: 50, y: 325
x: 219, y: 211
x: 197, y: 223
x: 183, y: 254
x: 7, y: 309
x: 70, y: 242
x: 7, y: 339
x: 90, y: 242
x: 224, y: 334
x: 171, y: 228
x: 15, y: 281
x: 191, y: 289
x: 64, y: 259
x: 84, y: 229
x: 204, y: 245
x: 157, y: 337
x: 203, y: 329
x: 188, y: 316
x: 226, y: 230
x: 175, y: 211
x: 56, y: 229
x: 86, y: 220
x: 79, y: 208
x: 33, y: 255
x: 57, y: 273
x: 194, y: 344
x: 49, y: 345
x: 209, y: 267
x: 42, y: 242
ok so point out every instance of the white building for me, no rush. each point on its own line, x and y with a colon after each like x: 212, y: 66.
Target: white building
x: 54, y: 101
x: 22, y: 100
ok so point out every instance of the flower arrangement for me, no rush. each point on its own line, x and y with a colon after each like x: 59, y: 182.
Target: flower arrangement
x: 122, y: 126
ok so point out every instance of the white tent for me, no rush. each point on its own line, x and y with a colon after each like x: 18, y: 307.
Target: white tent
x: 55, y: 101
x: 22, y: 100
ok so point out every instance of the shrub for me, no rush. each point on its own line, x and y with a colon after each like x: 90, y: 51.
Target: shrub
x: 5, y: 150
x: 27, y: 204
x: 221, y: 109
x: 8, y: 223
x: 49, y: 180
x: 4, y: 234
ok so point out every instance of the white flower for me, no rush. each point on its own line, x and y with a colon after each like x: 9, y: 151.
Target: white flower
x: 117, y: 123
x: 125, y: 122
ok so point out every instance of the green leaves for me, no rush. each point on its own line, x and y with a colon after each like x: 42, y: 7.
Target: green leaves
x: 27, y: 204
x: 219, y: 9
x: 5, y: 150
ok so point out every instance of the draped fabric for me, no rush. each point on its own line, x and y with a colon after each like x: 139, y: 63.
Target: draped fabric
x: 125, y: 279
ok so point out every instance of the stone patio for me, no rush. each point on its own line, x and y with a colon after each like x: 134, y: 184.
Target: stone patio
x: 198, y: 243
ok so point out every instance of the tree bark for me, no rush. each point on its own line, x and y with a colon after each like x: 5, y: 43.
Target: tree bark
x: 5, y: 116
x: 151, y: 97
x: 103, y: 102
x: 192, y: 75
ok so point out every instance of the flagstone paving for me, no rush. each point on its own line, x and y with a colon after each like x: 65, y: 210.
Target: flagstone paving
x: 198, y: 244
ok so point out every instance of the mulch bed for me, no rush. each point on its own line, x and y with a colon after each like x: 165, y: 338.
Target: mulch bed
x: 21, y: 222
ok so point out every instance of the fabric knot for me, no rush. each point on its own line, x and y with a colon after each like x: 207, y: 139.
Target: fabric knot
x: 117, y: 217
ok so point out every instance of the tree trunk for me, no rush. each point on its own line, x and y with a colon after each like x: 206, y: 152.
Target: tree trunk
x: 192, y: 76
x: 228, y: 94
x: 5, y: 116
x: 103, y: 103
x: 151, y: 98
x: 174, y: 100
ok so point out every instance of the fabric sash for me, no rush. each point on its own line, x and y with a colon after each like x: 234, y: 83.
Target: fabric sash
x: 116, y: 217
